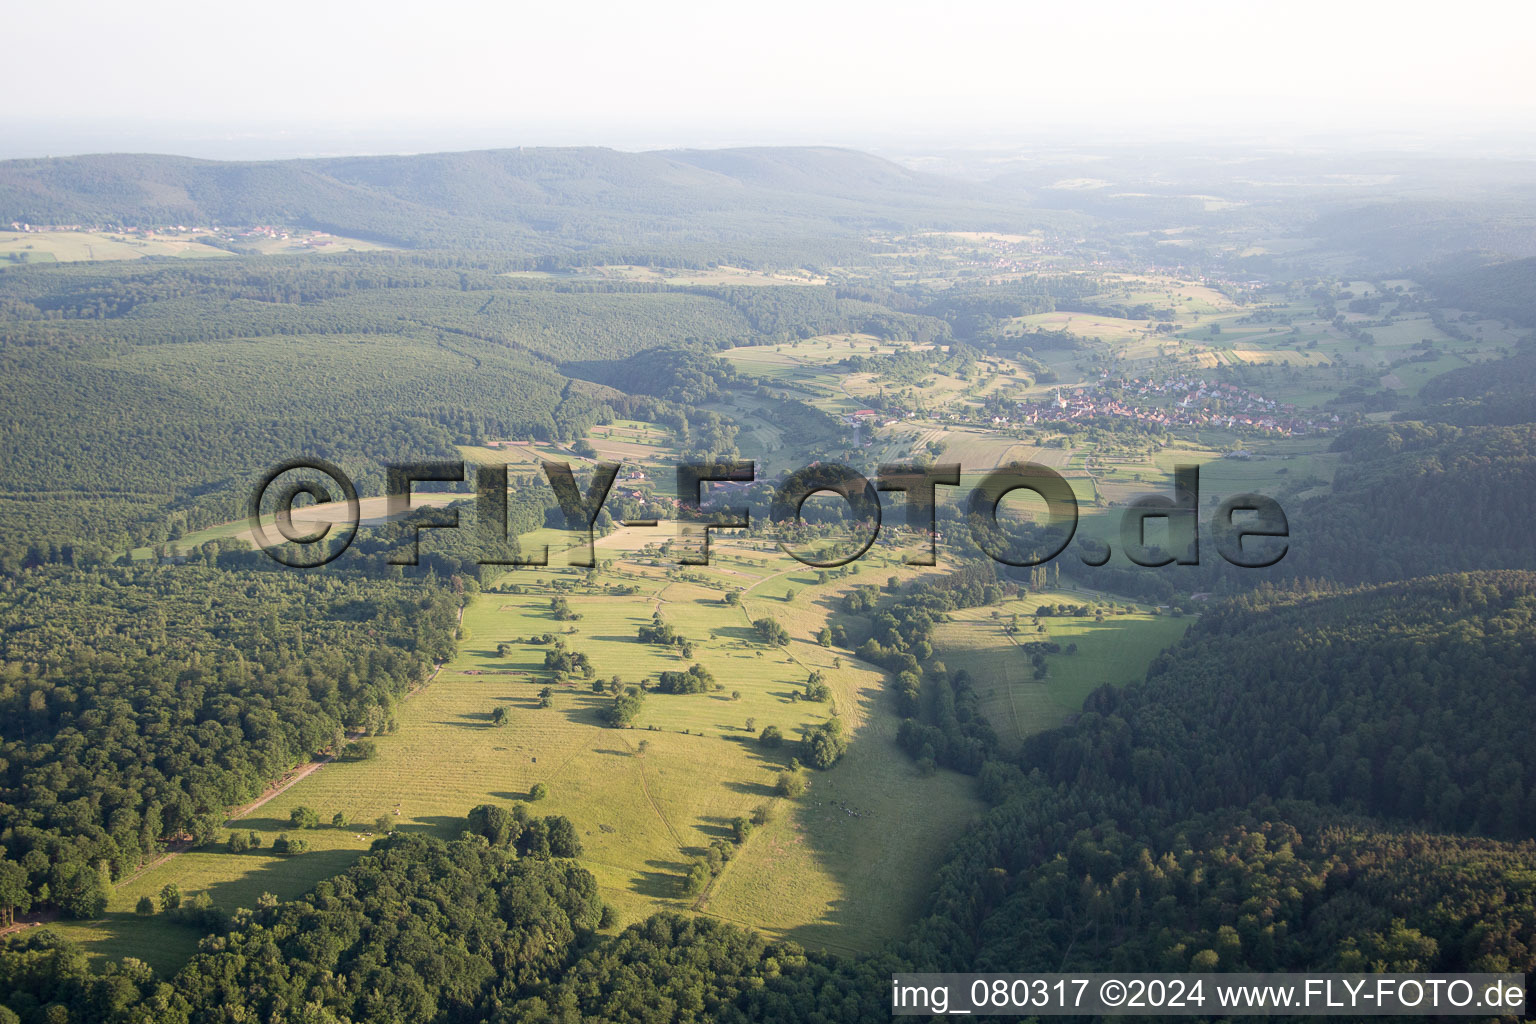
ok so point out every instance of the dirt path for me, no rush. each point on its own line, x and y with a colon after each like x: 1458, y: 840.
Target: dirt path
x: 273, y: 791
x: 645, y: 788
x: 29, y: 921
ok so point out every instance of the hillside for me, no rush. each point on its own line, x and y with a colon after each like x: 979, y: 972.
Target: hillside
x: 1305, y: 782
x: 533, y: 200
x: 1389, y: 700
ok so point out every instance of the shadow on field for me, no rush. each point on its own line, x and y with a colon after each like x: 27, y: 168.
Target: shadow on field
x: 743, y: 634
x: 445, y: 826
x: 847, y: 820
x: 663, y: 882
x: 586, y: 707
x: 286, y: 878
x: 261, y: 825
x: 761, y: 789
x: 716, y: 827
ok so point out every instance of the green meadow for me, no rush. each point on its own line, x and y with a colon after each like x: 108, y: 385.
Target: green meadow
x: 1115, y: 649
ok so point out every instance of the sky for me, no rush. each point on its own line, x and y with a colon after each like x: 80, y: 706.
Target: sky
x: 294, y: 77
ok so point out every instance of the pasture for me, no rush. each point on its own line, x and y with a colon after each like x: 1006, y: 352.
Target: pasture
x: 1115, y: 650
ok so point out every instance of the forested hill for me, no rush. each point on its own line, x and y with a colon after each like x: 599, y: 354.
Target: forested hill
x: 1392, y: 700
x: 1323, y: 780
x: 1414, y: 499
x: 536, y: 200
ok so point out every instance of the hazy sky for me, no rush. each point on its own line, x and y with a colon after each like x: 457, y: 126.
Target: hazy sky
x: 95, y: 75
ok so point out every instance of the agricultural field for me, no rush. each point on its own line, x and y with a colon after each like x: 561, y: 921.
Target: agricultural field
x: 77, y: 246
x: 843, y: 867
x: 80, y: 246
x: 302, y: 242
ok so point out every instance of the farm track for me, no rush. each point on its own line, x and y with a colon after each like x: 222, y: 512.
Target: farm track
x: 645, y: 787
x: 274, y: 790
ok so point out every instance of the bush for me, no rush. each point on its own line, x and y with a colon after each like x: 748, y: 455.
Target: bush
x: 789, y: 784
x: 303, y: 817
x: 772, y: 737
x: 145, y: 906
x: 538, y: 792
x: 286, y: 847
x: 360, y: 750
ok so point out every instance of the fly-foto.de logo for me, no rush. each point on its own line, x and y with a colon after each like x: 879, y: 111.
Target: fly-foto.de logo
x: 277, y: 495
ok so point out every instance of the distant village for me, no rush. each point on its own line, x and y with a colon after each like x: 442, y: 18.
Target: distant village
x: 1176, y: 402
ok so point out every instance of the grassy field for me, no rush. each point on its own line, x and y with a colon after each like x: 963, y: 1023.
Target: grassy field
x: 1115, y: 650
x: 844, y: 868
x: 676, y: 277
x: 79, y: 246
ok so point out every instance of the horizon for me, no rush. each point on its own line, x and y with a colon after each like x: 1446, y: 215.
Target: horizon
x: 178, y: 79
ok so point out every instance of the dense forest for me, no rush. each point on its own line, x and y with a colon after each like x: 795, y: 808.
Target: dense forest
x: 1413, y: 498
x: 137, y: 705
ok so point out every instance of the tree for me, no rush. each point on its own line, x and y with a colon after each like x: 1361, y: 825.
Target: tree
x: 145, y: 907
x: 238, y: 843
x: 384, y: 823
x: 563, y: 841
x: 170, y: 896
x: 501, y: 715
x: 495, y: 823
x: 303, y: 817
x: 538, y: 792
x: 771, y: 632
x: 823, y: 745
x: 339, y: 820
x: 772, y: 737
x: 14, y: 894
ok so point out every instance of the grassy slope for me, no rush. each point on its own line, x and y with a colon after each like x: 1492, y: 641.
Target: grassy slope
x: 1116, y: 650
